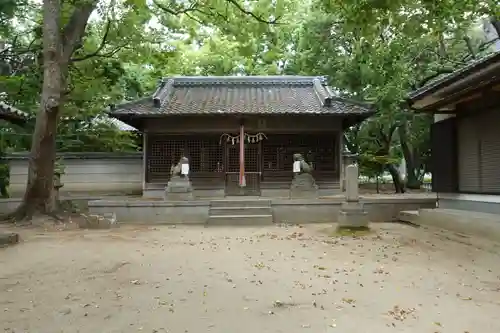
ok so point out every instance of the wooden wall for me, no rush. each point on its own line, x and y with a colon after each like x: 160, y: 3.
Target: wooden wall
x: 230, y: 124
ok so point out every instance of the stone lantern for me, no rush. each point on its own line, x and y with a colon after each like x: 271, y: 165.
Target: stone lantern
x: 57, y: 183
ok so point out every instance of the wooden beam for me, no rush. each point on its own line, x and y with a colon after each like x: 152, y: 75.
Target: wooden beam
x: 451, y: 108
x: 489, y: 100
x: 472, y: 94
x: 469, y: 98
x: 445, y: 112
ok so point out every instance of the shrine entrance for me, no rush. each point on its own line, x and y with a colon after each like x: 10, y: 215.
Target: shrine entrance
x: 252, y: 169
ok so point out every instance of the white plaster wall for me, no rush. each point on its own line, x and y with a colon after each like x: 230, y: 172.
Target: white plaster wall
x: 98, y: 175
x: 440, y: 117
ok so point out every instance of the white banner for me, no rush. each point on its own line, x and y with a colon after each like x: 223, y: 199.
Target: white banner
x: 185, y: 169
x: 296, y: 166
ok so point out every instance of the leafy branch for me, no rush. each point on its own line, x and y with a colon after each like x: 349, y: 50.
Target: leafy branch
x: 196, y: 7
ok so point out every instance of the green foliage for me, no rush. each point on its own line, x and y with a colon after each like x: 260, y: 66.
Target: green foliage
x: 372, y: 50
x: 379, y: 51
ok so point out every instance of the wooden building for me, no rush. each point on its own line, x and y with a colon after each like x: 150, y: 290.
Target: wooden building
x: 204, y: 118
x: 465, y: 135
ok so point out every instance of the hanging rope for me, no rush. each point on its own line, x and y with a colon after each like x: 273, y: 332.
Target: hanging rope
x: 235, y: 139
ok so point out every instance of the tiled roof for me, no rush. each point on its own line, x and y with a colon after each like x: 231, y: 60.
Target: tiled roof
x: 114, y: 122
x: 455, y: 76
x: 242, y: 95
x: 10, y: 113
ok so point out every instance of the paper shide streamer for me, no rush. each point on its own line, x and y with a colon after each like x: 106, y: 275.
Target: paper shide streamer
x: 235, y: 139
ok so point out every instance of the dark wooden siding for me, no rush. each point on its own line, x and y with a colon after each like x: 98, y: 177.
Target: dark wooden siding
x: 444, y: 156
x: 479, y: 152
x: 490, y: 152
x: 469, y: 148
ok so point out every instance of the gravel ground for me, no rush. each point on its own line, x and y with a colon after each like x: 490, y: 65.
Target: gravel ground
x: 232, y: 279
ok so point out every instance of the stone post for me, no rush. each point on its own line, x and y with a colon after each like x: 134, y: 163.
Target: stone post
x: 352, y: 213
x: 347, y: 159
x: 57, y: 184
x: 352, y: 183
x: 54, y: 196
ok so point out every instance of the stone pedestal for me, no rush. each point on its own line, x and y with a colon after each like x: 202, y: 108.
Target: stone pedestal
x: 179, y: 189
x: 303, y: 186
x: 352, y: 213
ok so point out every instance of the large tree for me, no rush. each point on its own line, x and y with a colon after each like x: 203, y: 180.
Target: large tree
x: 59, y: 45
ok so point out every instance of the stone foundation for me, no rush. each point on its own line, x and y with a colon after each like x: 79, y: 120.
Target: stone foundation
x: 179, y: 189
x: 293, y: 211
x: 303, y: 186
x: 352, y: 215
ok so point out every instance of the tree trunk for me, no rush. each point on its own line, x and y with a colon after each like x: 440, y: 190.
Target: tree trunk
x: 57, y: 50
x: 37, y: 197
x: 396, y: 178
x: 412, y: 167
x: 412, y: 181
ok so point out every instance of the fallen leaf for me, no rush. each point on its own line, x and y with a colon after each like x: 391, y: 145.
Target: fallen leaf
x: 278, y: 304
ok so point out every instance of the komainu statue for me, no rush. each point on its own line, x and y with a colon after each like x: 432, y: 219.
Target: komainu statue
x: 179, y: 187
x: 304, y: 166
x: 176, y: 170
x: 303, y: 183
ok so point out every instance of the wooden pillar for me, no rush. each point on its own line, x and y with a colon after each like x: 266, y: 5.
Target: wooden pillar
x: 340, y: 157
x: 144, y: 160
x: 242, y: 180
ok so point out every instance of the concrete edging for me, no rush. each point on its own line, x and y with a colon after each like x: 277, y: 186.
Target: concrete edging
x: 465, y: 222
x: 293, y: 211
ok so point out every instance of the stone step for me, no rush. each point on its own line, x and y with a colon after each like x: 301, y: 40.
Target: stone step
x: 240, y: 211
x: 240, y: 203
x: 281, y: 185
x: 462, y: 221
x: 329, y: 191
x: 328, y: 185
x: 155, y: 186
x: 240, y: 219
x: 409, y: 216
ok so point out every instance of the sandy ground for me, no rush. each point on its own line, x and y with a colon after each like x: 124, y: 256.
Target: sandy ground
x: 231, y: 279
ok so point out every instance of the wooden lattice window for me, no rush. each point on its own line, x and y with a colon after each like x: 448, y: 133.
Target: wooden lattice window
x: 163, y: 151
x: 273, y: 156
x: 318, y: 149
x: 252, y: 157
x: 212, y: 155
